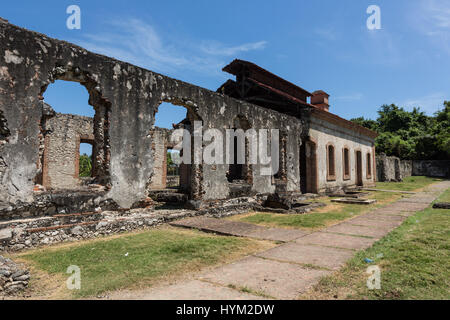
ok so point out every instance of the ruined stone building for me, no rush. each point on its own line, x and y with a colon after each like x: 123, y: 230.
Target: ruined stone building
x: 334, y: 153
x: 319, y: 151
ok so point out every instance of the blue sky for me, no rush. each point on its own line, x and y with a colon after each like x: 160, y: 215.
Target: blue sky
x: 314, y: 44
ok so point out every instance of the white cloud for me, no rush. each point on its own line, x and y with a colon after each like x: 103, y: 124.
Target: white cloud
x: 327, y: 33
x: 215, y: 48
x: 432, y: 18
x: 350, y: 97
x: 382, y: 47
x: 429, y: 104
x: 137, y: 42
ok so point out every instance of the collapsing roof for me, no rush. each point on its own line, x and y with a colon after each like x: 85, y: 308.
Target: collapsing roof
x: 259, y: 86
x: 255, y: 72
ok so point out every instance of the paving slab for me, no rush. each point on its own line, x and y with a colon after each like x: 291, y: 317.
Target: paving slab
x: 355, y: 201
x: 410, y: 206
x: 418, y: 199
x: 324, y: 257
x: 347, y: 228
x: 273, y: 278
x: 385, y: 217
x: 190, y: 290
x: 394, y: 211
x: 240, y: 229
x: 336, y: 240
x: 368, y: 222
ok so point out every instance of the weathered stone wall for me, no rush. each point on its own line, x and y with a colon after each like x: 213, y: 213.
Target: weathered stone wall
x: 431, y: 168
x: 125, y: 99
x: 388, y: 168
x: 160, y: 140
x: 13, y: 277
x: 64, y: 133
x: 323, y: 133
x: 173, y: 181
x: 406, y: 168
x: 394, y: 169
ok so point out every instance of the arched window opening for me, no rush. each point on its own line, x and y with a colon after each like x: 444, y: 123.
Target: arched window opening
x: 346, y: 163
x: 369, y: 166
x: 74, y: 136
x: 331, y: 169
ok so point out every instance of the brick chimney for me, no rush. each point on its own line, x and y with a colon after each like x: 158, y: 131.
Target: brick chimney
x: 319, y: 99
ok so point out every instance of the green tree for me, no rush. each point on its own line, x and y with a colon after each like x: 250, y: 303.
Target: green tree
x: 411, y: 134
x: 85, y: 165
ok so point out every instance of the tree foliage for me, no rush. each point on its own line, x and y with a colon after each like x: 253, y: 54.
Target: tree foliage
x: 411, y: 134
x: 85, y: 165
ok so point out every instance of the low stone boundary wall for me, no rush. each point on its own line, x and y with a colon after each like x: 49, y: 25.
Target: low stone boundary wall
x: 35, y: 232
x: 388, y: 169
x: 13, y: 277
x: 394, y: 169
x: 431, y: 168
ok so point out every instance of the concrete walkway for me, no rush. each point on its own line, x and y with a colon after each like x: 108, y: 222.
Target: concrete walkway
x: 288, y: 270
x: 239, y: 229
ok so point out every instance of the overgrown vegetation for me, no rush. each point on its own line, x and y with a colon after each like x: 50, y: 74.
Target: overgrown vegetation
x: 85, y: 165
x: 414, y: 263
x: 411, y: 135
x: 138, y: 259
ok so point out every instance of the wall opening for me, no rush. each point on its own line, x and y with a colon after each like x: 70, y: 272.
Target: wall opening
x: 369, y: 166
x: 308, y: 167
x: 166, y: 173
x: 331, y: 167
x: 281, y: 175
x: 346, y: 163
x: 359, y: 179
x: 75, y: 120
x: 85, y: 161
x: 173, y: 169
x: 240, y: 169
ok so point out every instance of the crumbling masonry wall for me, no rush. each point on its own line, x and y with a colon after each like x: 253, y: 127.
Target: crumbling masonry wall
x: 431, y: 168
x: 388, y: 168
x: 160, y: 143
x: 63, y: 135
x: 125, y: 99
x: 395, y: 169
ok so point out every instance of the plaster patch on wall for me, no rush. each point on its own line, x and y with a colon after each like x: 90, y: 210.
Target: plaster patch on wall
x: 13, y: 57
x: 4, y: 74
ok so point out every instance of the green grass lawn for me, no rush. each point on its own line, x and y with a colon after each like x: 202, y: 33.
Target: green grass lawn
x: 335, y: 212
x: 137, y: 260
x: 319, y: 218
x: 414, y: 261
x: 408, y: 184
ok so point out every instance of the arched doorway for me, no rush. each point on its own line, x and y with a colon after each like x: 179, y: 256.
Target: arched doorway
x: 308, y: 167
x: 358, y: 163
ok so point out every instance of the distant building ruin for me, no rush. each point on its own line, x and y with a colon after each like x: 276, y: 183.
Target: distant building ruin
x: 319, y: 151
